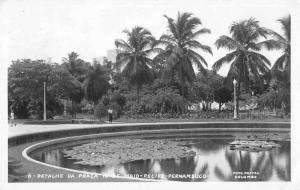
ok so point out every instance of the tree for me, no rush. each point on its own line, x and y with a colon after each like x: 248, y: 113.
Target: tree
x: 96, y: 83
x: 167, y: 100
x: 25, y: 87
x: 283, y: 63
x: 205, y: 86
x: 77, y: 67
x: 244, y: 56
x: 79, y: 70
x: 276, y: 96
x: 134, y: 56
x: 68, y: 87
x: 180, y: 45
x: 281, y: 70
x: 222, y: 95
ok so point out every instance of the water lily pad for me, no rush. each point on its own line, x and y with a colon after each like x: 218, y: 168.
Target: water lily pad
x: 116, y: 151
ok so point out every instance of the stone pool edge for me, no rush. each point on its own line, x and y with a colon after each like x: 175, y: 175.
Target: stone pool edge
x: 286, y: 128
x: 61, y: 140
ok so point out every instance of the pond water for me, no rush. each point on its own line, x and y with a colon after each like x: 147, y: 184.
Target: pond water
x: 214, y: 161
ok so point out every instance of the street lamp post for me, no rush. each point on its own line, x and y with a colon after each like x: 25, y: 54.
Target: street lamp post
x: 45, y: 114
x: 234, y: 100
x: 253, y: 102
x: 65, y: 108
x: 274, y: 110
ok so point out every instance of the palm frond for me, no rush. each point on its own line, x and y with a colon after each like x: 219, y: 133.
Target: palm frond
x: 278, y: 37
x: 191, y: 24
x: 129, y: 69
x: 227, y: 43
x: 226, y: 59
x: 168, y: 38
x: 270, y: 44
x: 161, y: 43
x: 195, y: 44
x: 198, y: 57
x: 199, y: 32
x: 253, y: 46
x: 119, y: 43
x: 126, y: 31
x: 143, y: 31
x: 122, y: 59
x: 257, y: 32
x: 197, y: 62
x: 286, y: 26
x: 153, y: 50
x: 237, y: 31
x: 278, y: 65
x: 261, y: 57
x: 232, y: 73
x: 172, y: 26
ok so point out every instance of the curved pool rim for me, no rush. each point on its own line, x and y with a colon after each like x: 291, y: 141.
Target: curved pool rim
x: 35, y: 146
x: 33, y: 136
x: 39, y: 145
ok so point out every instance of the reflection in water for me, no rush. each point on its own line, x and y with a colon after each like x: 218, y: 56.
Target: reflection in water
x: 263, y: 163
x: 213, y: 158
x: 283, y: 163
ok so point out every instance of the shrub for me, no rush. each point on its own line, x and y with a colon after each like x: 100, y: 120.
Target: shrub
x: 118, y: 98
x: 100, y: 111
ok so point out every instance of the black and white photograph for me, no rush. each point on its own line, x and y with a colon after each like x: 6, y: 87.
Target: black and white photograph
x: 150, y: 91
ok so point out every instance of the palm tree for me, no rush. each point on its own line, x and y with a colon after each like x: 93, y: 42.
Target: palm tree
x: 244, y: 57
x: 180, y: 45
x: 133, y: 56
x: 281, y: 69
x: 283, y: 63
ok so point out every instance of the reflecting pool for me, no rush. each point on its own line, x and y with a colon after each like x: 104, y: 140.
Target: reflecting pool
x: 214, y: 161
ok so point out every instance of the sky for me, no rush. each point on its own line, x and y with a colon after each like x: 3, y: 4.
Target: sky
x: 40, y: 29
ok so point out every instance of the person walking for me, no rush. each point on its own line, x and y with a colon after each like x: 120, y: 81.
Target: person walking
x: 12, y: 117
x: 110, y: 115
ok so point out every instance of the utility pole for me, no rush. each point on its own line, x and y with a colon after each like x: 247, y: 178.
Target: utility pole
x: 45, y: 113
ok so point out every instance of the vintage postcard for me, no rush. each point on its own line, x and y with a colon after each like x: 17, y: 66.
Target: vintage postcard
x: 150, y: 91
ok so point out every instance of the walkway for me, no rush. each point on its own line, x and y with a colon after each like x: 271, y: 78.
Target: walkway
x: 22, y: 129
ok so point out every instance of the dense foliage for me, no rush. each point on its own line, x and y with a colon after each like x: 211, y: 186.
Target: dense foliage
x: 157, y: 77
x: 25, y: 87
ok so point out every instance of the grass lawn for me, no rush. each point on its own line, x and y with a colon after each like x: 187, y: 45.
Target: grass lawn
x: 151, y: 120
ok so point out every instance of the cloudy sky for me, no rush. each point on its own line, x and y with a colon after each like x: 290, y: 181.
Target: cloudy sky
x: 40, y: 29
